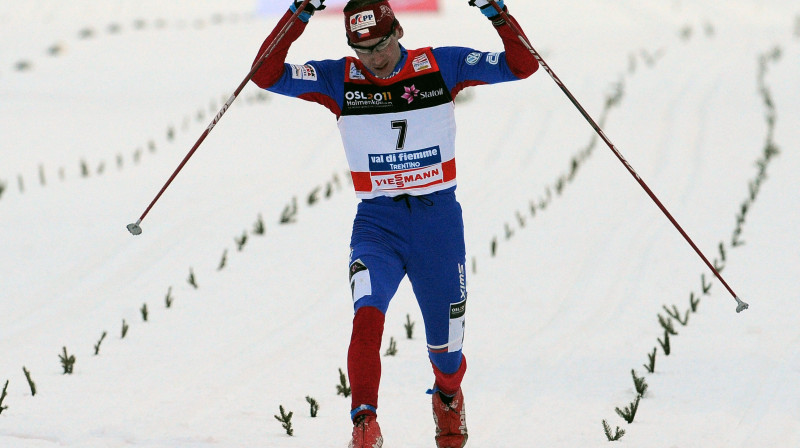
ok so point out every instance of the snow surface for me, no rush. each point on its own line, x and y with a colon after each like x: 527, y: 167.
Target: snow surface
x: 561, y: 313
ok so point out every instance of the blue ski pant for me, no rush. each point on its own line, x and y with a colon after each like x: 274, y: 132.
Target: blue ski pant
x: 421, y: 237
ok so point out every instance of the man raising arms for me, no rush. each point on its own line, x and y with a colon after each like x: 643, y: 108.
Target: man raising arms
x: 394, y: 109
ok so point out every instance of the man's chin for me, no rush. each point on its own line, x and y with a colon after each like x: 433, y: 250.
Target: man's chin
x: 381, y: 72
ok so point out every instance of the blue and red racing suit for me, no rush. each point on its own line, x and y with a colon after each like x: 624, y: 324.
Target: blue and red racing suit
x: 399, y: 138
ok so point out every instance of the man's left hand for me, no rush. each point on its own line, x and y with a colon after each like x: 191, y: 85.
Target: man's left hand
x: 486, y: 7
x: 313, y: 5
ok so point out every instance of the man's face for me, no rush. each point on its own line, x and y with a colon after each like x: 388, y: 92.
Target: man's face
x: 381, y: 55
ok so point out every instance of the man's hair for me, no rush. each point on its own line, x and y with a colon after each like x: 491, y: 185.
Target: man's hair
x: 355, y: 4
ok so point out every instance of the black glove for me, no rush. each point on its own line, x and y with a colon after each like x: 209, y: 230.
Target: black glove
x: 486, y: 7
x: 313, y: 5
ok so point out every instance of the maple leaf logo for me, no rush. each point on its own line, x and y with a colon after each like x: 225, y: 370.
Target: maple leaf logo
x: 411, y: 93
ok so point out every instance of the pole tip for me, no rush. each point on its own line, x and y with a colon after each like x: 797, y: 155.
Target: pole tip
x: 740, y: 306
x: 134, y: 228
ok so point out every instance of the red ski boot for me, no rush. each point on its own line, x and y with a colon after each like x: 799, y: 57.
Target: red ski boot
x: 366, y: 433
x: 449, y: 416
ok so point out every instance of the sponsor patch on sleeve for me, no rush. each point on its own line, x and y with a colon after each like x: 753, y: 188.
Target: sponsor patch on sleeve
x: 473, y: 58
x: 421, y: 63
x: 355, y: 73
x: 306, y: 72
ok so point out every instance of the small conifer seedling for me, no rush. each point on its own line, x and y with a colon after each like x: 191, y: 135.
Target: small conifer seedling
x: 313, y: 197
x: 509, y: 231
x: 97, y: 345
x: 612, y: 437
x: 665, y: 343
x: 409, y: 327
x: 560, y: 183
x: 392, y: 349
x: 67, y: 362
x: 629, y: 412
x: 192, y: 280
x: 675, y: 314
x: 31, y: 384
x: 124, y: 329
x: 342, y: 388
x: 639, y: 383
x: 706, y: 286
x: 520, y: 219
x: 241, y: 241
x: 289, y: 214
x: 666, y: 323
x: 3, y: 398
x: 223, y: 261
x: 286, y: 420
x: 693, y: 302
x: 651, y: 366
x: 258, y: 227
x: 314, y: 406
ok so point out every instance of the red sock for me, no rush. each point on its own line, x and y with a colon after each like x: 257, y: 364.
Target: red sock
x: 449, y: 383
x: 364, y: 359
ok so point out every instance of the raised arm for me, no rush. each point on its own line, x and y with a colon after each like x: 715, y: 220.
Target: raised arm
x: 464, y: 67
x: 520, y: 60
x: 272, y: 68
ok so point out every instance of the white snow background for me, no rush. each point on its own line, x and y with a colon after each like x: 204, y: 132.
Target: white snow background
x: 570, y: 262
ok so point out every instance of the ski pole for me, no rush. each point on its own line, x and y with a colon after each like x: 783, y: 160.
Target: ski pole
x: 134, y: 228
x: 740, y: 305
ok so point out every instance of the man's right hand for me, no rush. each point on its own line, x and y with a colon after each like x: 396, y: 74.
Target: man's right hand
x: 308, y: 11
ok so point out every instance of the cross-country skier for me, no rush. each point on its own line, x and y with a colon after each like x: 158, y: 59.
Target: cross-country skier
x: 394, y: 108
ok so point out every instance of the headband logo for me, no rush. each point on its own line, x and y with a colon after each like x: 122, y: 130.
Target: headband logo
x: 361, y: 20
x: 386, y: 11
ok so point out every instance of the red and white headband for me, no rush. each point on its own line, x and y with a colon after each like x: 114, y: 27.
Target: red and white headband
x: 369, y: 22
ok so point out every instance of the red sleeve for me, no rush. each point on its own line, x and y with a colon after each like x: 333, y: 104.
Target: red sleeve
x: 520, y: 58
x: 272, y: 69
